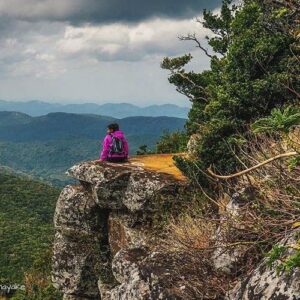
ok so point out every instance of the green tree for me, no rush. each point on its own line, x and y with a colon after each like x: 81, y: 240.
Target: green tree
x: 143, y: 150
x: 253, y: 70
x: 172, y: 142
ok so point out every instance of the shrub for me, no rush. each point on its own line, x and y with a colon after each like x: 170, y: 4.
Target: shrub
x: 173, y: 142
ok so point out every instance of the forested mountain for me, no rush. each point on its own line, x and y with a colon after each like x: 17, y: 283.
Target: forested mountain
x: 19, y: 127
x: 13, y: 118
x: 117, y: 110
x: 26, y: 214
x: 46, y: 146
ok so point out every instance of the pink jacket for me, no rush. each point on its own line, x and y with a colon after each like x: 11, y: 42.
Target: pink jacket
x: 108, y: 141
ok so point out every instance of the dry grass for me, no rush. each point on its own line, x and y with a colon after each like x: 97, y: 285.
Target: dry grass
x: 188, y: 240
x: 32, y: 280
x: 189, y: 233
x: 162, y: 163
x: 269, y: 205
x: 269, y: 201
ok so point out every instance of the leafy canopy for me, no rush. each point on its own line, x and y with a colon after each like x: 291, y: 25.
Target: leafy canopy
x: 253, y: 70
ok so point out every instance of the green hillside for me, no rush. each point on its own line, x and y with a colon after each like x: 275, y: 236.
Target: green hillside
x: 13, y: 118
x: 26, y: 214
x: 45, y: 147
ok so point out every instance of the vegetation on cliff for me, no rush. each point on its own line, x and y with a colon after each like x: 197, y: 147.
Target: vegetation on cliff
x: 254, y: 51
x: 244, y: 123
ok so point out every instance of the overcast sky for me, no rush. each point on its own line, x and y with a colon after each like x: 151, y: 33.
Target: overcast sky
x: 95, y: 50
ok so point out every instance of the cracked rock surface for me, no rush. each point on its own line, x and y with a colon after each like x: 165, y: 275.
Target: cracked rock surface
x: 100, y: 244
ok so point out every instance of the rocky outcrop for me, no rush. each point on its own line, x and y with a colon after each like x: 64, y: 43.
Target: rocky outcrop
x: 107, y: 247
x: 192, y: 146
x: 124, y: 186
x: 228, y: 260
x: 142, y: 275
x: 102, y: 247
x: 266, y: 282
x: 80, y: 236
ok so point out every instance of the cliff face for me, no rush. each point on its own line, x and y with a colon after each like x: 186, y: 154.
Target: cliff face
x: 106, y: 243
x: 103, y: 232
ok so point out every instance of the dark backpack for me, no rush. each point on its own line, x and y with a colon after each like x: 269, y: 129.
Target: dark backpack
x: 117, y: 146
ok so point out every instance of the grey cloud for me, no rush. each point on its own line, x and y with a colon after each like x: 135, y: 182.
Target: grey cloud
x: 76, y: 49
x: 156, y: 37
x: 102, y: 11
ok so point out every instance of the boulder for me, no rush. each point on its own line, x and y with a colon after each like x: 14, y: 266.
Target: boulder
x: 142, y: 274
x: 73, y: 206
x: 73, y: 268
x: 76, y: 263
x: 124, y: 186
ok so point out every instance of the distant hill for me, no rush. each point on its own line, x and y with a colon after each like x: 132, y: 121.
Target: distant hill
x: 4, y: 170
x: 13, y: 118
x: 46, y: 146
x: 120, y: 110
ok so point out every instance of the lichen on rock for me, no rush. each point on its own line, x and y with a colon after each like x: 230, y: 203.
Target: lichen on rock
x: 123, y: 186
x: 101, y: 233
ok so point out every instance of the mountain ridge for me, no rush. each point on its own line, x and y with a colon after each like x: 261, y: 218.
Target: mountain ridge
x: 117, y: 110
x: 64, y: 125
x: 45, y: 146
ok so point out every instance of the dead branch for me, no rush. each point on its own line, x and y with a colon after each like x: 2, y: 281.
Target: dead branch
x: 192, y: 37
x: 288, y: 154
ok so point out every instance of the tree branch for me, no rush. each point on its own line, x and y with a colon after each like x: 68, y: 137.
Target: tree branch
x: 288, y: 154
x: 192, y: 37
x: 190, y: 81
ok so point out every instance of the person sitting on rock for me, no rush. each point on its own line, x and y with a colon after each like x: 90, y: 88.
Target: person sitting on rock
x: 115, y: 145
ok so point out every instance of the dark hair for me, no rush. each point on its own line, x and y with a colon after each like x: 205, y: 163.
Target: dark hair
x: 113, y: 126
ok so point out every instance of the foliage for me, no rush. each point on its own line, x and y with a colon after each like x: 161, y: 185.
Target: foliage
x: 282, y: 122
x: 26, y: 235
x: 293, y: 163
x: 275, y: 253
x: 169, y: 142
x: 278, y: 121
x: 172, y: 142
x: 37, y: 281
x: 143, y: 150
x: 292, y: 261
x: 254, y: 70
x: 250, y: 215
x: 220, y: 26
x: 286, y: 262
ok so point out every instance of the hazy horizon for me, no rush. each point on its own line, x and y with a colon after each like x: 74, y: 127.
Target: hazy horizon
x: 187, y: 104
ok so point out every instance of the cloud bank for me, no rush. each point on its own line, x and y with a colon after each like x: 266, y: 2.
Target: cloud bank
x: 83, y: 50
x: 102, y: 11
